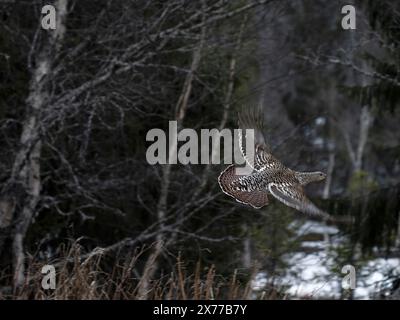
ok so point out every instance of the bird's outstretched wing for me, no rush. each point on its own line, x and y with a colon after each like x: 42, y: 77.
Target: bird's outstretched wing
x: 252, y: 117
x: 242, y: 188
x: 293, y: 196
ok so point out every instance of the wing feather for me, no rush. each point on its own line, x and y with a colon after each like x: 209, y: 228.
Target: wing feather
x: 294, y: 196
x: 252, y: 117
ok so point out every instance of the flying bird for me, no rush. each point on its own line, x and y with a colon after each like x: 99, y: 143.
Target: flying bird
x: 269, y: 175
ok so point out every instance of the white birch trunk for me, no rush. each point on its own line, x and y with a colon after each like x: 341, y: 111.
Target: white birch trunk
x: 26, y: 167
x: 365, y: 123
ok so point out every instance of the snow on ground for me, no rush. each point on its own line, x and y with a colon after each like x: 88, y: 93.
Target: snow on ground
x: 310, y: 273
x: 313, y: 227
x: 373, y: 277
x: 309, y: 276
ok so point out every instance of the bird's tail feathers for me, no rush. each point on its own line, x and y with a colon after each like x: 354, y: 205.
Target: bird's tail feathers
x: 228, y: 183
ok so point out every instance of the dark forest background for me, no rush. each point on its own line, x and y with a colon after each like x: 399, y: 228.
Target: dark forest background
x: 76, y: 103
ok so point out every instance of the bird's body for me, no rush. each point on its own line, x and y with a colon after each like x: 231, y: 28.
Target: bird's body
x: 269, y: 176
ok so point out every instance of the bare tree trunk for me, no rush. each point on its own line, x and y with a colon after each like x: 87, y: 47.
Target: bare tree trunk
x: 227, y: 103
x: 26, y: 167
x: 246, y: 254
x: 365, y: 122
x: 397, y: 242
x: 181, y: 107
x: 329, y: 175
x: 356, y: 156
x: 149, y: 269
x: 331, y: 146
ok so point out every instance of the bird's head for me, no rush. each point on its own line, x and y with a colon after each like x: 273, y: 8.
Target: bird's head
x: 307, y: 177
x: 319, y: 176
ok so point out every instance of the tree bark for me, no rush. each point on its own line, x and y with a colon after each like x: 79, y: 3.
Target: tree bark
x: 26, y: 175
x: 151, y: 264
x: 246, y: 254
x: 331, y: 145
x: 397, y: 242
x: 329, y: 175
x: 365, y: 122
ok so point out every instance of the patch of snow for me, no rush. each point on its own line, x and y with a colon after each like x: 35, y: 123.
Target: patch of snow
x: 314, y: 227
x: 313, y: 244
x: 260, y: 281
x: 318, y: 142
x: 320, y: 121
x: 310, y: 275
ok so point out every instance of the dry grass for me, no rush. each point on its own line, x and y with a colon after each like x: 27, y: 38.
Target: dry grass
x: 87, y: 277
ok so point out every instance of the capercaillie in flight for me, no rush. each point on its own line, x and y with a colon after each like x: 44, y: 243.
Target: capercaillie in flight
x: 269, y: 176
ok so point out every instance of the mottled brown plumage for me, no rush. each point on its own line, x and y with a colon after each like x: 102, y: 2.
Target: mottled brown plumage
x: 269, y: 176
